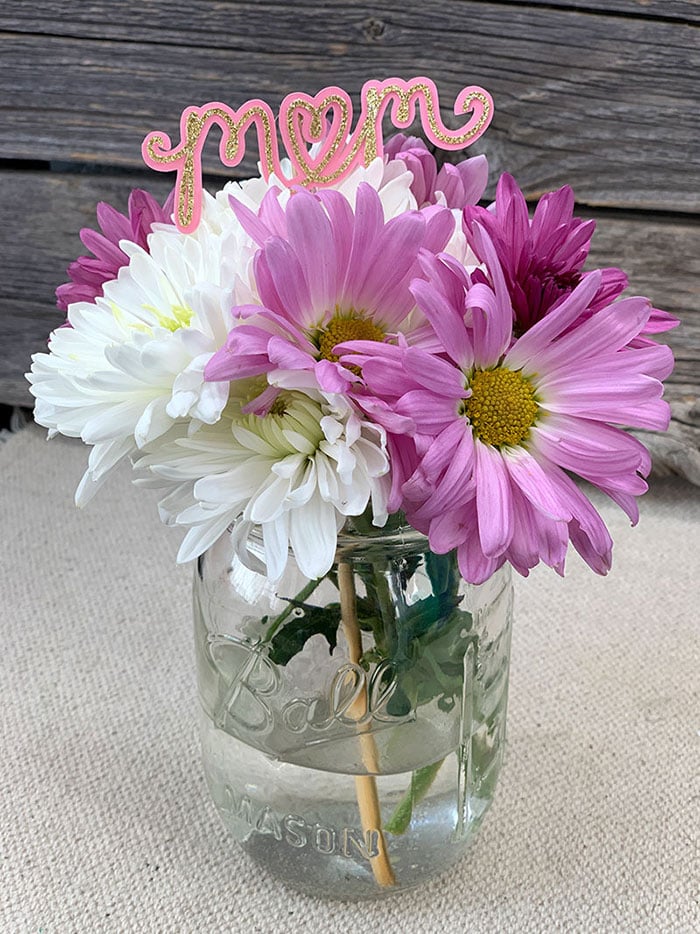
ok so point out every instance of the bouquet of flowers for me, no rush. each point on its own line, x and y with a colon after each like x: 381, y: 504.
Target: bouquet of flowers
x: 384, y: 345
x: 376, y: 351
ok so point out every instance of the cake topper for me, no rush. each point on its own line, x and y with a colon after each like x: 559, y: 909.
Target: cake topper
x: 323, y: 121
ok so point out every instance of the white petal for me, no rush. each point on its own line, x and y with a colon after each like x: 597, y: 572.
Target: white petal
x: 312, y: 535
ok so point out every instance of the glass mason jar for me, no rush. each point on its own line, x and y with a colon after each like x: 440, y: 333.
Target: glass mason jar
x: 352, y: 727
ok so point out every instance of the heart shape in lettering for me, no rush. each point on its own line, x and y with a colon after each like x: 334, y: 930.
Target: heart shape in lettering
x: 323, y: 122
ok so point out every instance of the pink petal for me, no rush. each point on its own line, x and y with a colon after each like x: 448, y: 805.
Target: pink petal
x: 403, y: 460
x: 448, y: 530
x: 625, y: 501
x: 474, y: 175
x: 437, y: 375
x: 475, y: 567
x: 103, y: 248
x: 604, y: 395
x: 447, y: 275
x: 586, y: 446
x: 572, y: 250
x: 369, y: 220
x: 440, y: 225
x: 654, y: 359
x: 660, y: 321
x: 144, y: 212
x: 486, y: 251
x: 608, y: 330
x: 553, y: 210
x: 244, y: 354
x: 342, y: 220
x: 385, y: 287
x: 310, y: 234
x: 587, y: 531
x: 114, y: 225
x: 492, y: 324
x: 443, y: 479
x: 286, y: 356
x: 533, y: 481
x: 613, y: 283
x: 450, y: 184
x: 333, y: 377
x: 493, y: 500
x: 512, y: 211
x: 430, y: 412
x: 385, y: 376
x: 254, y: 224
x: 447, y: 320
x: 536, y: 537
x: 387, y: 417
x: 262, y: 404
x: 290, y: 285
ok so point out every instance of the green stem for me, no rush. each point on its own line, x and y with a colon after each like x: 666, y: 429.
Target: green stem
x: 421, y: 780
x: 305, y: 592
x: 387, y: 609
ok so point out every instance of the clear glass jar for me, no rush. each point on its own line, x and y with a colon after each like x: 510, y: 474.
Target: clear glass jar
x: 353, y: 727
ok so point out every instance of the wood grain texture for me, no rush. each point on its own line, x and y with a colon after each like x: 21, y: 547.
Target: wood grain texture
x: 661, y: 257
x: 608, y: 103
x: 684, y: 11
x: 601, y: 94
x: 234, y: 24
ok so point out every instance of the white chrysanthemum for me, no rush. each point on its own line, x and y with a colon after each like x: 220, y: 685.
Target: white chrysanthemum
x: 293, y: 474
x: 390, y: 179
x: 132, y: 363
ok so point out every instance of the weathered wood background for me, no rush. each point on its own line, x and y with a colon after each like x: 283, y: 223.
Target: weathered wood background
x: 602, y: 95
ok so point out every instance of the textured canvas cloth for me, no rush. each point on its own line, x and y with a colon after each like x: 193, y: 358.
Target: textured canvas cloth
x: 105, y: 823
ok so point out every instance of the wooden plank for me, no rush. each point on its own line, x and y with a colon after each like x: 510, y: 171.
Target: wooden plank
x: 24, y: 328
x: 684, y: 11
x: 661, y: 256
x: 233, y: 24
x: 608, y: 103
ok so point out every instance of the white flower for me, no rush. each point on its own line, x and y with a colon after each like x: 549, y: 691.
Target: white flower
x: 293, y: 475
x: 132, y: 364
x: 390, y: 179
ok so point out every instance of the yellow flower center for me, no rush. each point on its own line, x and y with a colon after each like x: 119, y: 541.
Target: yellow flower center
x: 502, y: 406
x: 177, y: 316
x: 348, y: 327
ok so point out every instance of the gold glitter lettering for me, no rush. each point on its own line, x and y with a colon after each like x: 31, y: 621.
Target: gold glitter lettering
x: 302, y: 123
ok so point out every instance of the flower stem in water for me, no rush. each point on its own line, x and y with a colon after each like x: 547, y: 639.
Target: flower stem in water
x: 421, y: 780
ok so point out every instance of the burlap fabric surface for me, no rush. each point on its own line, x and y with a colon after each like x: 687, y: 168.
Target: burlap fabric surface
x: 105, y: 823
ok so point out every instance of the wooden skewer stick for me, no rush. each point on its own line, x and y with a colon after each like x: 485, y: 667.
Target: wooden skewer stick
x: 365, y: 785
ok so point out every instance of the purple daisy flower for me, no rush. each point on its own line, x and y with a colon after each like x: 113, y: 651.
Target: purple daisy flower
x: 460, y: 184
x: 542, y: 258
x: 88, y: 274
x: 333, y: 275
x: 500, y: 423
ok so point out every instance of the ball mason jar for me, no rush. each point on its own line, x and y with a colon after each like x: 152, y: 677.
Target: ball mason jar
x: 352, y: 727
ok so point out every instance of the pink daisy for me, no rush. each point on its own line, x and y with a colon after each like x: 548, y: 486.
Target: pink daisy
x: 542, y: 258
x: 499, y: 424
x: 88, y: 274
x: 459, y: 185
x: 325, y: 274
